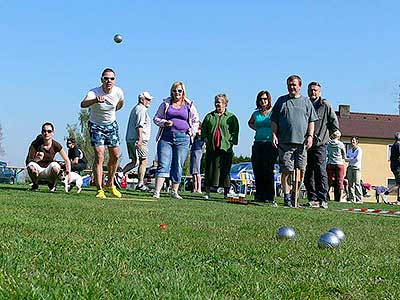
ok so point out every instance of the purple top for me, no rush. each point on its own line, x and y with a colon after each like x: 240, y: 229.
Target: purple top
x: 179, y: 117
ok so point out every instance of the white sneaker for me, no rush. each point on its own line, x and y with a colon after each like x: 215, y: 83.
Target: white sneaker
x: 175, y: 195
x: 156, y: 195
x: 383, y: 197
x: 206, y: 196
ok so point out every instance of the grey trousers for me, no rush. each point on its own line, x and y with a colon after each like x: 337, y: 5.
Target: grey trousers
x: 354, y: 177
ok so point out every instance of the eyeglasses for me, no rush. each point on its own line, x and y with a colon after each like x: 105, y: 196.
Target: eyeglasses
x: 47, y: 131
x: 177, y: 91
x: 264, y: 99
x: 108, y: 78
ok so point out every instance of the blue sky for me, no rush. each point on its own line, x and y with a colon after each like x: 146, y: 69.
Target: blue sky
x: 52, y: 53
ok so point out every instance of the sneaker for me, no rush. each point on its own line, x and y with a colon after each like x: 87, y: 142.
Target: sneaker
x: 206, y: 196
x: 324, y: 205
x: 52, y: 187
x: 271, y: 202
x: 114, y: 192
x: 311, y: 204
x: 156, y: 195
x: 288, y: 203
x: 142, y: 188
x: 34, y: 187
x: 175, y: 195
x: 100, y: 194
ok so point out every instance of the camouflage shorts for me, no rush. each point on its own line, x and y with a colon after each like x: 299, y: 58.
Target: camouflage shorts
x: 104, y: 135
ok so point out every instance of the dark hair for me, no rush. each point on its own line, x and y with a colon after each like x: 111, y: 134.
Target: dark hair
x: 258, y: 99
x: 355, y: 137
x: 107, y: 70
x: 314, y: 83
x: 48, y: 124
x: 71, y: 140
x: 293, y: 77
x: 397, y: 136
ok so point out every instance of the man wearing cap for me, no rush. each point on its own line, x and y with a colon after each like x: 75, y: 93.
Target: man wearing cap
x: 316, y: 177
x: 137, y: 137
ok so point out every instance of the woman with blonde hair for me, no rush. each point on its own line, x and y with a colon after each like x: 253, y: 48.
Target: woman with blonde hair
x: 178, y: 122
x: 220, y: 131
x: 336, y: 153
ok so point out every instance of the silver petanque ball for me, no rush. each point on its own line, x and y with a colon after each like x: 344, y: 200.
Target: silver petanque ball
x: 118, y: 38
x: 285, y: 233
x: 339, y: 232
x: 328, y: 240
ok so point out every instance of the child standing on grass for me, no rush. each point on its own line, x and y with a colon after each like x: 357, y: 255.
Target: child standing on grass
x: 196, y: 152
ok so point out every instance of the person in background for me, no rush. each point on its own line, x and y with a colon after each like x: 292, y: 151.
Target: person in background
x: 76, y: 156
x: 395, y: 168
x: 196, y: 152
x: 40, y: 162
x: 354, y: 157
x: 220, y: 131
x: 336, y: 153
x: 138, y: 135
x: 178, y: 122
x: 293, y: 118
x: 316, y: 177
x: 264, y: 154
x: 103, y: 102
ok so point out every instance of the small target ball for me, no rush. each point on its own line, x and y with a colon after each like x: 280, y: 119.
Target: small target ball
x: 118, y: 38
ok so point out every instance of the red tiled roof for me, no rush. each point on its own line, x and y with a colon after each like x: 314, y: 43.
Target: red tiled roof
x: 368, y: 125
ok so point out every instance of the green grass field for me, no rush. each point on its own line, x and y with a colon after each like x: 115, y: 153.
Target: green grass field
x: 69, y: 246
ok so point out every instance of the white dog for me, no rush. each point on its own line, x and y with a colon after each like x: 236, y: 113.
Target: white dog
x: 74, y: 179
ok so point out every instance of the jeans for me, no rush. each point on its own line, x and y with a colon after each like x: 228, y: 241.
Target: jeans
x: 263, y: 159
x: 316, y: 177
x: 172, y: 150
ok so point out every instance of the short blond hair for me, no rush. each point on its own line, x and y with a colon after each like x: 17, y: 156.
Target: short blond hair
x: 175, y: 85
x: 222, y: 96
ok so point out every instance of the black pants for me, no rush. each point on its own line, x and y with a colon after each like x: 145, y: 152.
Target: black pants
x: 80, y: 166
x: 316, y: 177
x: 263, y: 158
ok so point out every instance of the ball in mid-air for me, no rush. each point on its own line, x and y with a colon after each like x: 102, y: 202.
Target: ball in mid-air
x: 285, y: 233
x: 339, y: 232
x: 328, y: 240
x: 118, y: 38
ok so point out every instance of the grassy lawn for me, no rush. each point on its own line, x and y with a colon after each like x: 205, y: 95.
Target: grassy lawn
x: 69, y: 246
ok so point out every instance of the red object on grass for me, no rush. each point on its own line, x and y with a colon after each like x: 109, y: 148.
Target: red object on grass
x: 163, y: 226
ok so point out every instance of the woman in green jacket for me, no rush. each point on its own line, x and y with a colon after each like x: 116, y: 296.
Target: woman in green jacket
x: 220, y: 131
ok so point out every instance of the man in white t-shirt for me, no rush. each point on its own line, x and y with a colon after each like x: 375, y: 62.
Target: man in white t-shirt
x: 103, y: 102
x: 137, y: 137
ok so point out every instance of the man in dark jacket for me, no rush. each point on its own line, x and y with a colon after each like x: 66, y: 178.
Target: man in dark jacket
x: 316, y: 178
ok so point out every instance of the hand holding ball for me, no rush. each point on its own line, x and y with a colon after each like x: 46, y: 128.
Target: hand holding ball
x: 118, y: 38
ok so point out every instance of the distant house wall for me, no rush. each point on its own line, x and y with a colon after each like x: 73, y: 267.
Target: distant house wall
x: 375, y: 165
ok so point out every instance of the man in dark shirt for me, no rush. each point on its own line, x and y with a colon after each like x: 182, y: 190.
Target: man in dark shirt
x: 40, y: 159
x: 76, y: 156
x: 316, y: 177
x: 395, y: 168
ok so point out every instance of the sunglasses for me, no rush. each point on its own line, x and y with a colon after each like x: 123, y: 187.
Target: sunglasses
x: 108, y: 78
x: 47, y: 131
x: 266, y: 99
x: 177, y: 91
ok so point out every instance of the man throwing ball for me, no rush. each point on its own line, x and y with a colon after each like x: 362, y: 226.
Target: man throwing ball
x: 103, y: 102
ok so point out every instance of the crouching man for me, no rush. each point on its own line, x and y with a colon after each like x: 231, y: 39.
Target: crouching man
x: 40, y: 162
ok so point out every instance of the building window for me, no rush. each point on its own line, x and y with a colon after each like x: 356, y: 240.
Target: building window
x: 389, y: 149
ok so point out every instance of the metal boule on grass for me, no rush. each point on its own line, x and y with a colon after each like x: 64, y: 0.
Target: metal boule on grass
x: 339, y: 232
x: 285, y: 233
x: 118, y: 38
x: 328, y: 240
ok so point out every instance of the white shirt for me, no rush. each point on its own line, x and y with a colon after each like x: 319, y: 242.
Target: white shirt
x: 354, y: 157
x: 104, y: 113
x: 138, y: 118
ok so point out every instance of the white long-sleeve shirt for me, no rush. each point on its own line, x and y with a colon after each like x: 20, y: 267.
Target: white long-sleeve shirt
x: 354, y: 157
